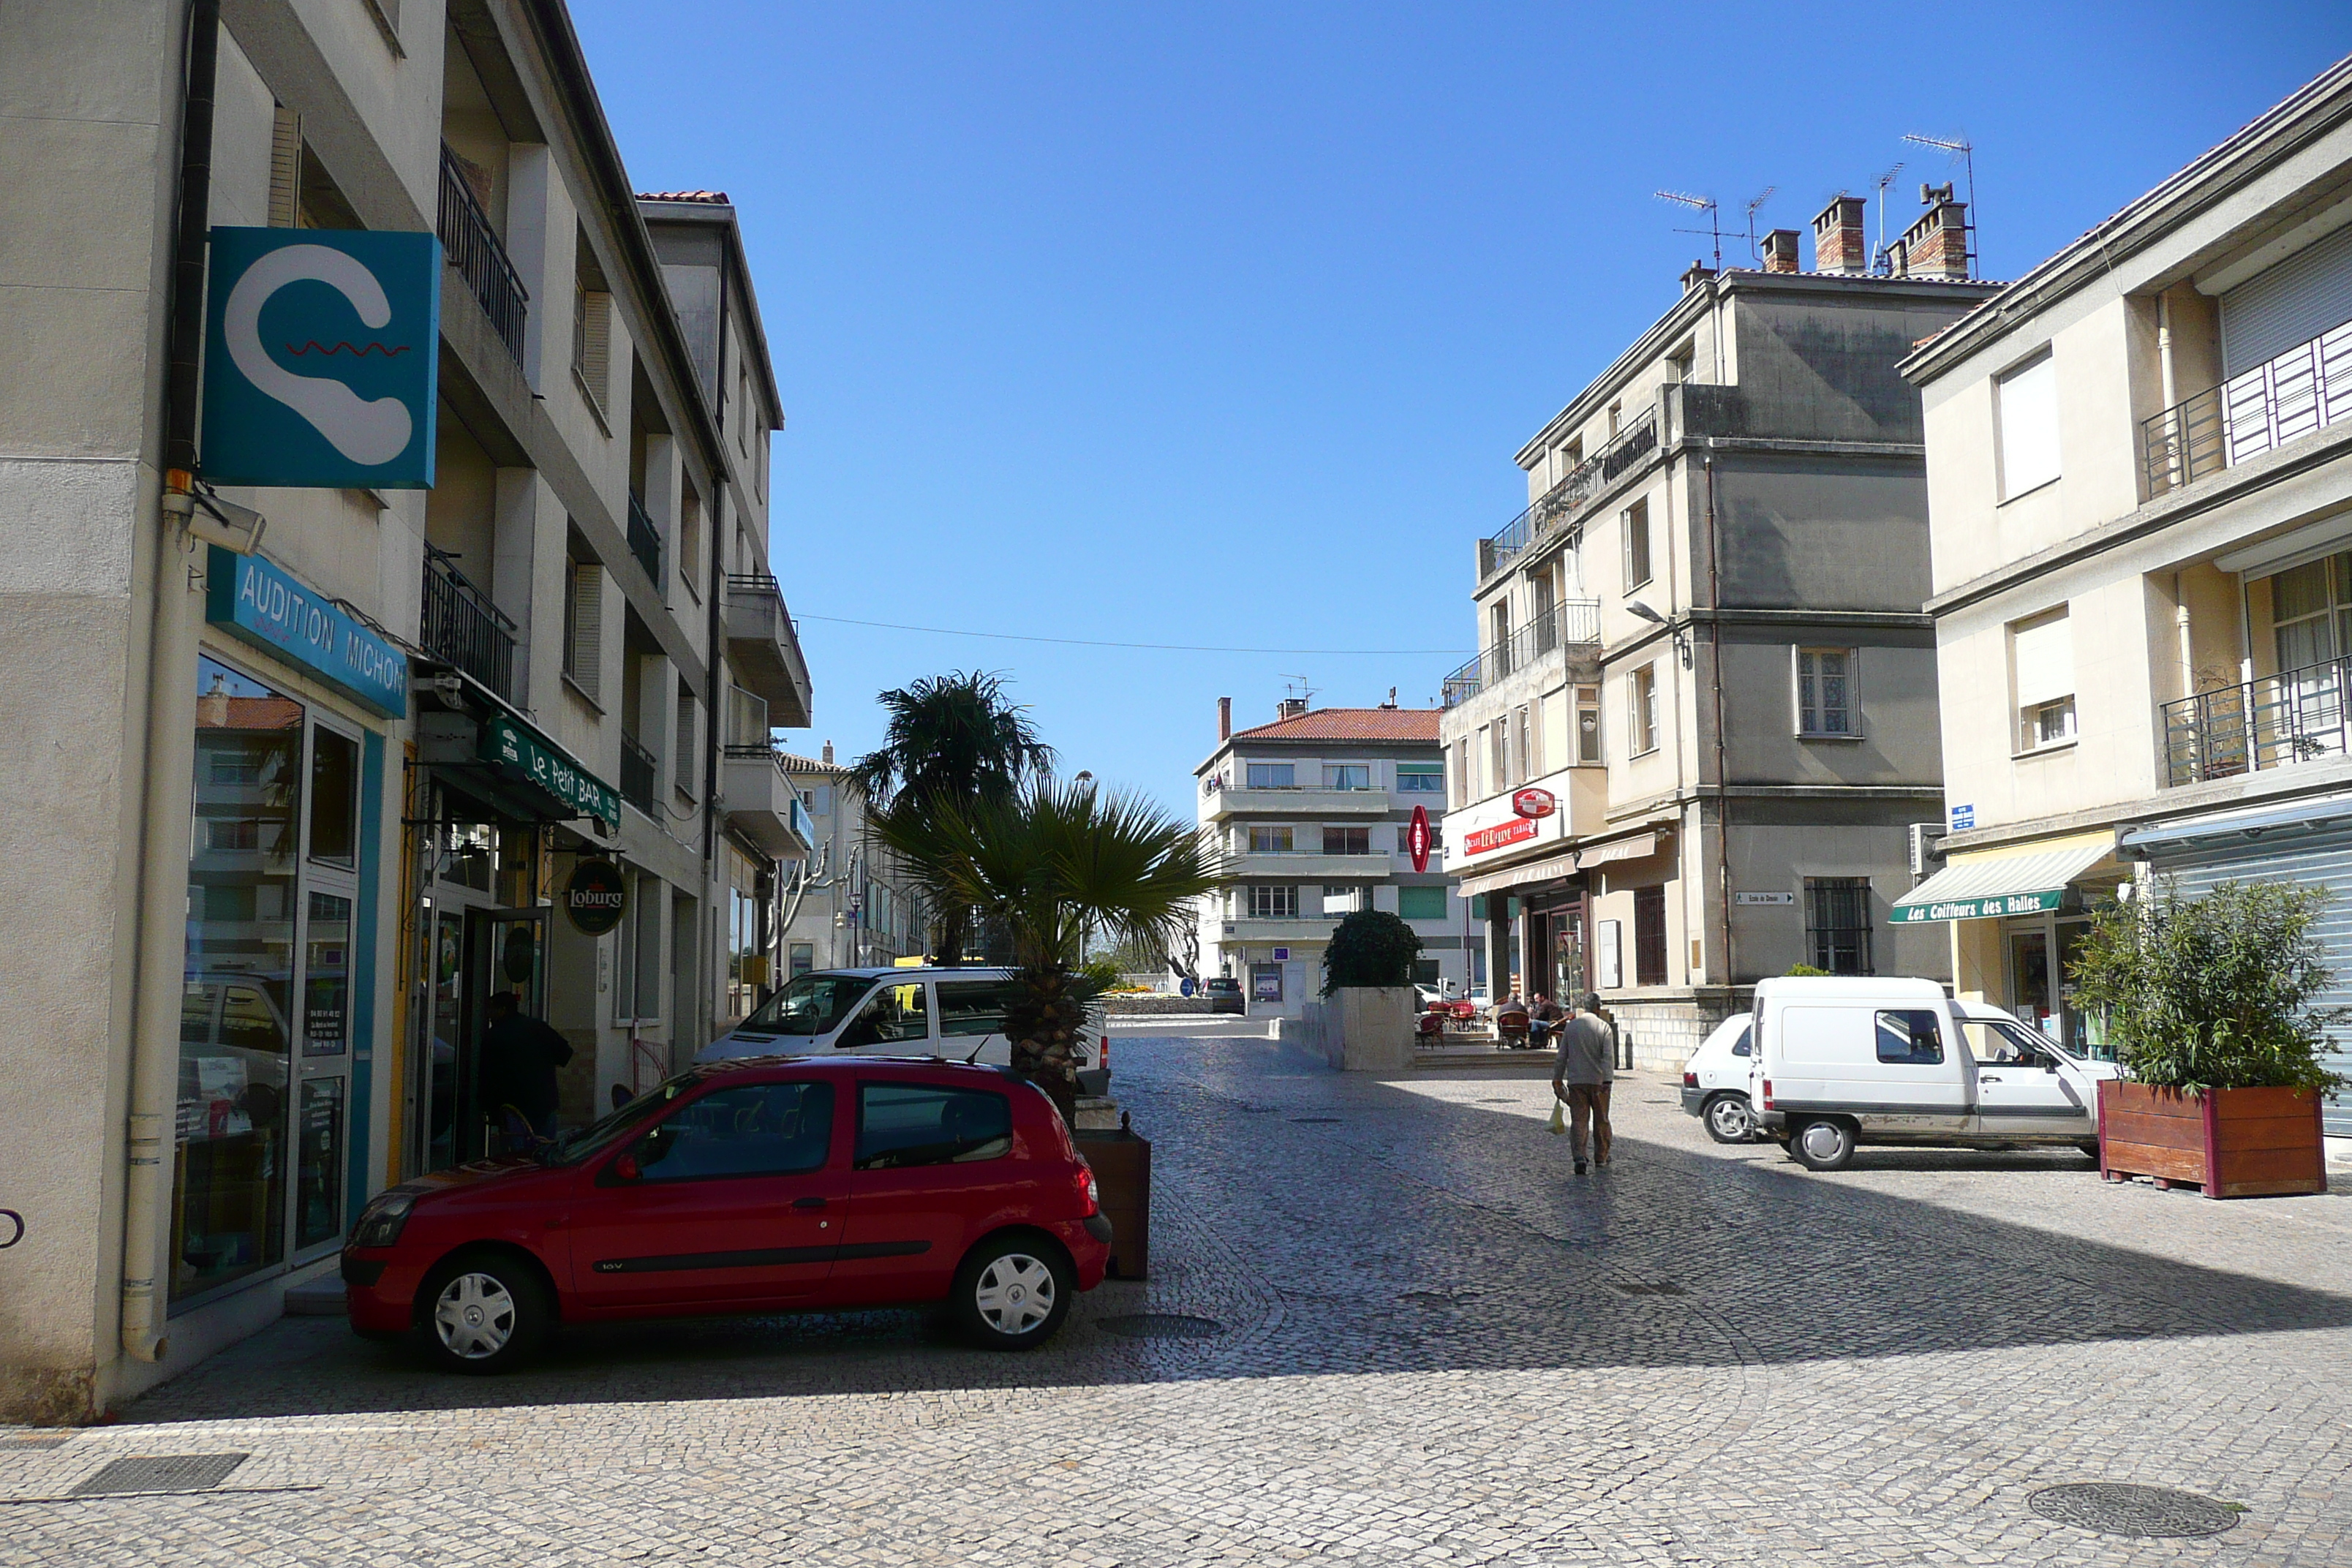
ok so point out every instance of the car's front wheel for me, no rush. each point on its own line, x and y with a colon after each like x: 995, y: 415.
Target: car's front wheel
x: 1013, y: 1293
x: 485, y: 1312
x: 1822, y: 1145
x: 1728, y: 1119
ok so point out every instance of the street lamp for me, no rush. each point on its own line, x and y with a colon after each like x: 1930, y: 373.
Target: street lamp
x: 1682, y: 637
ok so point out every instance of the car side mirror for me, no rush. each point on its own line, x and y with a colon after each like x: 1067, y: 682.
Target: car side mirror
x: 624, y: 1169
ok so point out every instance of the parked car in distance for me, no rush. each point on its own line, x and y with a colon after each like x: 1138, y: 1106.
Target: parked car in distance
x: 931, y: 1011
x: 1848, y: 1060
x: 1715, y: 1081
x: 1224, y: 994
x: 759, y: 1185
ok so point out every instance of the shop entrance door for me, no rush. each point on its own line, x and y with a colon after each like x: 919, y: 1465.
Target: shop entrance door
x: 2029, y: 970
x: 1568, y: 986
x: 474, y: 953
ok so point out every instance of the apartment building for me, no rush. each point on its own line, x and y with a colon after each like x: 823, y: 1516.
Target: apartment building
x: 2140, y: 494
x: 1702, y: 722
x: 1317, y: 811
x: 849, y: 903
x: 374, y: 605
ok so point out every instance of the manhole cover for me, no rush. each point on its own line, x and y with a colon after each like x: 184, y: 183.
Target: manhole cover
x: 2113, y: 1508
x: 1162, y: 1326
x: 164, y: 1473
x: 1314, y: 1121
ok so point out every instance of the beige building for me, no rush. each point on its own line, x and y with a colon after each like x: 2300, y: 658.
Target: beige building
x: 1702, y: 726
x: 2140, y: 493
x: 267, y: 861
x: 847, y: 903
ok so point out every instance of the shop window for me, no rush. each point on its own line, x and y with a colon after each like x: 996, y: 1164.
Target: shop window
x: 1837, y: 924
x: 1273, y: 775
x: 1346, y: 841
x: 335, y: 797
x: 1273, y: 901
x: 1420, y: 778
x: 1825, y: 705
x: 1270, y: 840
x: 1421, y: 903
x: 1649, y: 936
x: 1642, y: 709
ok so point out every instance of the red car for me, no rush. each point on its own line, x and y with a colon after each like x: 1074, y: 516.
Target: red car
x: 766, y: 1184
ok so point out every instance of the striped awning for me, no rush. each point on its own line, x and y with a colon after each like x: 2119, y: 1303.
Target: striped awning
x: 2022, y: 881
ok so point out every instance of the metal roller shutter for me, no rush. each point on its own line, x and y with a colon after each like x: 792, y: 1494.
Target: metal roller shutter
x: 2317, y: 860
x: 2287, y: 304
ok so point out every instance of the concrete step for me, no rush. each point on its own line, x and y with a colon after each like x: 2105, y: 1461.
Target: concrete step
x: 320, y: 1298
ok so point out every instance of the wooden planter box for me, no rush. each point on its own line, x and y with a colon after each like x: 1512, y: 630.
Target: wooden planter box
x: 1122, y: 1163
x: 2234, y: 1143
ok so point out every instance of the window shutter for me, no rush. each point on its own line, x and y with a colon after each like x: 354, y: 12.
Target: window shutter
x: 682, y: 767
x: 286, y: 169
x: 595, y: 359
x: 2029, y: 426
x: 2043, y: 656
x: 584, y: 659
x: 2286, y: 305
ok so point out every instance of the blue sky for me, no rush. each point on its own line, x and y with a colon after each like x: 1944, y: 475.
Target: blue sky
x: 1219, y: 324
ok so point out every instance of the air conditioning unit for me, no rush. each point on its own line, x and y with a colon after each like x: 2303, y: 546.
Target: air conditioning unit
x: 1926, y: 847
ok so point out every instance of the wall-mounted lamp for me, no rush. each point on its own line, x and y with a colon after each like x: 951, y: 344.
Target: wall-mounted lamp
x: 212, y: 520
x: 1681, y: 634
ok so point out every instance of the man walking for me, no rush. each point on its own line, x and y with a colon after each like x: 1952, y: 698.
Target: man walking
x: 1581, y: 1076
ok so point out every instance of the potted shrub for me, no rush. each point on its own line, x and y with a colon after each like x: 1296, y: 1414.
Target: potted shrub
x: 1368, y: 976
x: 2209, y: 1004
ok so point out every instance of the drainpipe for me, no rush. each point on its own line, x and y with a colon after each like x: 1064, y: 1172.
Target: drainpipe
x: 160, y: 931
x: 2187, y: 646
x: 1722, y: 782
x: 722, y: 696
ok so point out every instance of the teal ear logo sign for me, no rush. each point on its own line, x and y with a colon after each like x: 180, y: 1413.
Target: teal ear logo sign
x: 320, y: 352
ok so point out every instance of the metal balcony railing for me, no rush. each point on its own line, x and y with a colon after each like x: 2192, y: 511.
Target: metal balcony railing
x: 637, y: 771
x: 644, y: 539
x: 2254, y: 726
x: 1560, y: 506
x: 1571, y: 621
x: 2304, y: 390
x: 459, y: 624
x: 472, y: 246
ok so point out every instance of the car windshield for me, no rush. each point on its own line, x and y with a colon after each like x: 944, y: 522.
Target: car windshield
x: 1996, y: 1040
x: 570, y: 1148
x: 811, y: 1004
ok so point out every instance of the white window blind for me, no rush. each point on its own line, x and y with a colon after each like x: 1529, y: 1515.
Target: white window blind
x: 2028, y: 400
x: 2043, y: 654
x: 583, y: 629
x: 2286, y: 305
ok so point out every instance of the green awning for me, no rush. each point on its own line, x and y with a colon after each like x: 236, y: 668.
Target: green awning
x: 2024, y: 882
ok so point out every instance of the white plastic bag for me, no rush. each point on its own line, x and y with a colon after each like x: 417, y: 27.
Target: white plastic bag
x: 1558, y: 1117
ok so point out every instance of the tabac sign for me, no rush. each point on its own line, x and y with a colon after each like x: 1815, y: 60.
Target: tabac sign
x: 321, y: 349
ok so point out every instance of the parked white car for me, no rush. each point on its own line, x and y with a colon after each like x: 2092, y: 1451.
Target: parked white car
x: 1847, y: 1060
x: 914, y: 1012
x: 1715, y: 1081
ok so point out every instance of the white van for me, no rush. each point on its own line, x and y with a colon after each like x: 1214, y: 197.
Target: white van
x: 1847, y: 1060
x: 912, y: 1012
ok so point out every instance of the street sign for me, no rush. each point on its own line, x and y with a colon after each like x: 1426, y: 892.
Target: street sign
x: 1964, y: 817
x: 596, y: 897
x: 1418, y: 837
x: 1749, y: 899
x: 322, y: 348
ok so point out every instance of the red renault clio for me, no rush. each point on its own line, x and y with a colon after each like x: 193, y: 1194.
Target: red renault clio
x: 768, y: 1184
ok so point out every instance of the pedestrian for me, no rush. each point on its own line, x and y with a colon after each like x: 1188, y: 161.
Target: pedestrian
x: 1580, y: 1079
x: 519, y: 1056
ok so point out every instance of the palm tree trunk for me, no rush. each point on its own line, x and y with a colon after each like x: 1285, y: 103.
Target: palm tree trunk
x: 1044, y: 1024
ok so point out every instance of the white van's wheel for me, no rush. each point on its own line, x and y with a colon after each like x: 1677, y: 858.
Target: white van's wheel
x: 1822, y: 1145
x: 1728, y: 1119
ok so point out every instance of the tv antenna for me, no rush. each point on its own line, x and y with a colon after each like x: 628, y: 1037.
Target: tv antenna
x: 1295, y: 686
x: 1962, y: 148
x: 1714, y: 229
x: 1754, y: 206
x: 1883, y: 182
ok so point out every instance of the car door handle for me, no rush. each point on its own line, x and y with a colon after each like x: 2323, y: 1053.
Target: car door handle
x: 1986, y: 1078
x: 808, y: 1203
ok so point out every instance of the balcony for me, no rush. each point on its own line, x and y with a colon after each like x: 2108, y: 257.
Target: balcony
x: 762, y: 804
x: 2300, y: 393
x: 1295, y: 800
x: 1572, y: 623
x: 470, y: 244
x: 2252, y: 727
x: 1298, y: 929
x: 637, y: 771
x: 460, y: 624
x: 644, y: 541
x: 1307, y: 866
x: 764, y: 647
x: 1563, y: 505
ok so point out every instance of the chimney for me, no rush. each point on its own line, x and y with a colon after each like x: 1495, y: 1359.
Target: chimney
x: 1838, y: 242
x: 828, y: 754
x: 1938, y: 244
x: 1290, y: 708
x: 1225, y: 719
x: 1697, y: 273
x: 1780, y: 250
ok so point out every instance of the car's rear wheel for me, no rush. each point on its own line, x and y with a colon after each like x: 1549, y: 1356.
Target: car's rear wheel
x: 1013, y: 1293
x: 1822, y: 1145
x: 1728, y: 1119
x: 484, y: 1313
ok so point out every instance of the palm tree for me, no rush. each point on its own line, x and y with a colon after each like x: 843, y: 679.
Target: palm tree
x: 952, y: 738
x: 1047, y: 864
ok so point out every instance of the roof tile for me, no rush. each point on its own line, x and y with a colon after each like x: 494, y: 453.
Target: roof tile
x: 1403, y: 724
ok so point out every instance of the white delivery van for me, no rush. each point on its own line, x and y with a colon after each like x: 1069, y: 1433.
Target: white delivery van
x: 1848, y: 1059
x: 911, y: 1012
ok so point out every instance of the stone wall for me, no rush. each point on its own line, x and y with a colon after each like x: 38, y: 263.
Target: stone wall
x: 1664, y: 1029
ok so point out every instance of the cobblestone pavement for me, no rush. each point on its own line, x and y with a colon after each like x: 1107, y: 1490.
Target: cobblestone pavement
x: 1439, y: 1347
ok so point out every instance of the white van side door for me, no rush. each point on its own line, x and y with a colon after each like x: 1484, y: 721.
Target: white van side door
x: 1893, y: 1067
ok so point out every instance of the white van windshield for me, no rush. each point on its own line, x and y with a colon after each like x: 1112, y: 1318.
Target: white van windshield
x: 811, y: 1004
x: 1993, y: 1041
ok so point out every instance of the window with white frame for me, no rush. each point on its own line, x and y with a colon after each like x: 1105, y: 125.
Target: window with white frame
x: 1346, y: 776
x: 1637, y: 522
x: 2025, y: 403
x: 1273, y: 901
x: 1588, y: 724
x: 1826, y: 695
x: 1642, y: 709
x: 1420, y: 778
x: 1463, y: 786
x: 1271, y: 775
x: 2041, y: 673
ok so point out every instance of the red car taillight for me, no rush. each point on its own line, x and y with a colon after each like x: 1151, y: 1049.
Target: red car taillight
x: 1690, y: 1080
x: 1089, y: 1192
x: 1767, y: 1094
